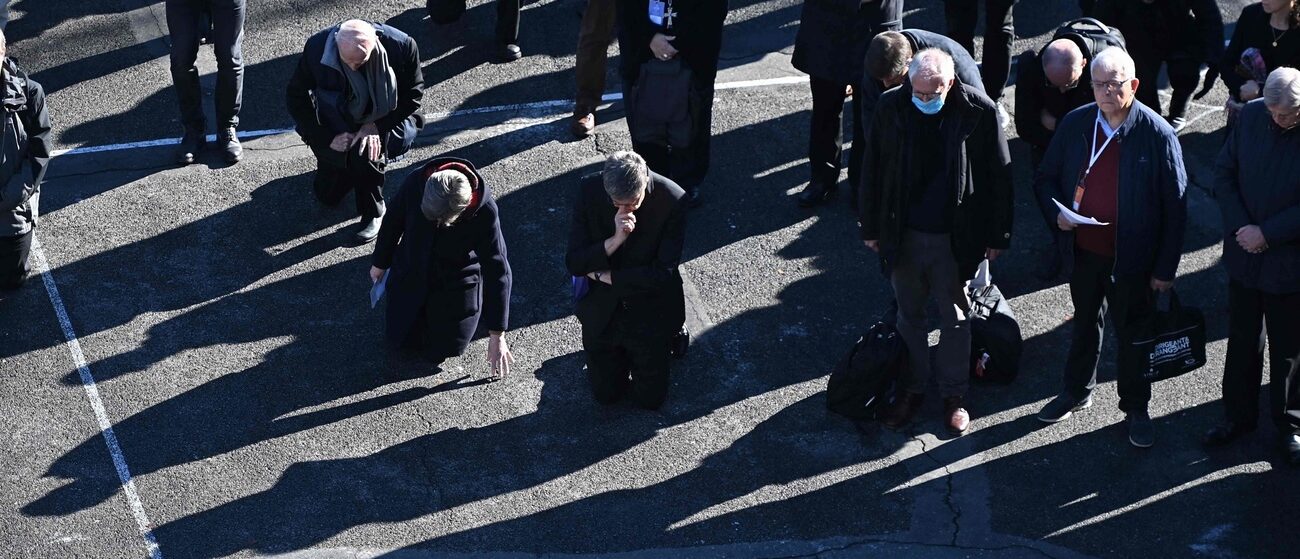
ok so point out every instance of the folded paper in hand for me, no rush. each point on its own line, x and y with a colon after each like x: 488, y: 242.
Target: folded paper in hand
x: 377, y: 290
x: 1075, y: 218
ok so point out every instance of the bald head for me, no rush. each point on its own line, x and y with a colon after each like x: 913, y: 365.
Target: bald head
x: 356, y: 40
x: 1063, y: 63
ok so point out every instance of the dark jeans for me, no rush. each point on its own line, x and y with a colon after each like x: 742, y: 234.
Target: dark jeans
x: 507, y: 21
x: 826, y: 138
x: 338, y: 173
x: 687, y: 167
x: 1128, y: 300
x: 999, y: 32
x: 1248, y: 311
x: 184, y: 19
x: 594, y: 36
x: 1184, y: 75
x: 623, y: 363
x: 14, y: 268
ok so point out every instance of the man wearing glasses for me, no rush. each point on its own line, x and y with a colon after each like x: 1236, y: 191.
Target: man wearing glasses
x: 1127, y: 174
x: 935, y: 200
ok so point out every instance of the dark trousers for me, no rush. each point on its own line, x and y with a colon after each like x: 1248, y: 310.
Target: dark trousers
x: 185, y: 19
x: 507, y: 21
x: 14, y: 268
x: 1249, y: 310
x: 999, y: 32
x: 594, y: 36
x: 826, y: 137
x: 448, y: 321
x: 1128, y: 300
x: 688, y: 166
x: 623, y: 363
x: 338, y: 173
x: 1184, y: 75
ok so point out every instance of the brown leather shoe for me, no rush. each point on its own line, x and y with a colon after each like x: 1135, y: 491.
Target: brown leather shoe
x: 955, y: 416
x: 901, y: 411
x: 582, y: 125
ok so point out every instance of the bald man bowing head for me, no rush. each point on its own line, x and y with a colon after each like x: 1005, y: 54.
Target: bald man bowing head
x: 355, y: 100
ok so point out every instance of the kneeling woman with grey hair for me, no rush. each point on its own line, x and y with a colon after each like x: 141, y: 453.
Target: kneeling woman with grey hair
x: 442, y: 240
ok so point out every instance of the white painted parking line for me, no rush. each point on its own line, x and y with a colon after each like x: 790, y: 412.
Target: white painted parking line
x: 96, y: 404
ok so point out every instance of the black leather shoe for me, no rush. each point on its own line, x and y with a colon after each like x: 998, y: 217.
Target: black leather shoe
x: 509, y: 53
x: 228, y: 141
x: 1225, y: 433
x: 191, y: 143
x: 815, y: 193
x: 1292, y: 448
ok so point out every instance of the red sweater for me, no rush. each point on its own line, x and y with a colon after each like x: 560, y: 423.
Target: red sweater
x: 1100, y: 199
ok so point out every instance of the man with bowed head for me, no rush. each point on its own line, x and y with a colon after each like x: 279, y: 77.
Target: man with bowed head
x: 626, y: 240
x: 936, y: 200
x: 1127, y: 172
x: 354, y: 98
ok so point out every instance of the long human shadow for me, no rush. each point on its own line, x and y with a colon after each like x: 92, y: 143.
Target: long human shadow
x: 41, y: 15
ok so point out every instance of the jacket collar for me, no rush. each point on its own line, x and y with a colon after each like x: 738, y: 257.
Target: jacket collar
x: 1130, y: 121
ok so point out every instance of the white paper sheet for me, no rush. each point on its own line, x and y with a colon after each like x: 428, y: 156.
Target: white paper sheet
x: 1075, y: 218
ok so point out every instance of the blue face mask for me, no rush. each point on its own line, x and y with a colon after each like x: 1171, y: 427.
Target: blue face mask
x: 931, y: 107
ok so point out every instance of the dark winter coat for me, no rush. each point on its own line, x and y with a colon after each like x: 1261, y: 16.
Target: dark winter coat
x: 1253, y: 30
x: 697, y: 26
x: 980, y: 174
x: 1152, y: 181
x: 25, y: 151
x: 645, y: 280
x: 1188, y: 29
x: 968, y: 72
x: 317, y: 93
x: 421, y: 256
x: 834, y: 34
x: 1257, y: 182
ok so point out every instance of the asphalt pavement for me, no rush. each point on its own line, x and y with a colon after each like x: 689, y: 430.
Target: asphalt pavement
x: 209, y: 380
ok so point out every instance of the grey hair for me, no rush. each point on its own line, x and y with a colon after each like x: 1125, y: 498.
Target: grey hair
x: 446, y: 194
x: 625, y: 176
x: 1282, y: 88
x: 931, y: 63
x: 1114, y: 59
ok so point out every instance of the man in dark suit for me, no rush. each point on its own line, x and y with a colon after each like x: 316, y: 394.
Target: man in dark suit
x: 626, y: 241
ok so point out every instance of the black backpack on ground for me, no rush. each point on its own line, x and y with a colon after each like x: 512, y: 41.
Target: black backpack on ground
x: 1091, y: 35
x: 863, y: 382
x: 995, y: 340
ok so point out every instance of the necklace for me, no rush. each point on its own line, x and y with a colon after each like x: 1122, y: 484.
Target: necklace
x: 1278, y: 36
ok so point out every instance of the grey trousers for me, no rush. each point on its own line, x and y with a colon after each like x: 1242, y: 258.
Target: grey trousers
x: 925, y: 268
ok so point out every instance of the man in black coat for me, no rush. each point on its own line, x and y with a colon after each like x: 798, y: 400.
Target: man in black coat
x: 442, y: 249
x: 1179, y: 34
x: 625, y: 245
x: 1119, y: 163
x: 354, y: 98
x: 689, y: 31
x: 24, y: 157
x: 1050, y: 84
x: 936, y: 199
x: 1257, y: 185
x: 830, y: 46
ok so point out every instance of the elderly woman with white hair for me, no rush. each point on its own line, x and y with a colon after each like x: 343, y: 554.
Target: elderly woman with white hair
x: 1257, y: 185
x: 442, y: 249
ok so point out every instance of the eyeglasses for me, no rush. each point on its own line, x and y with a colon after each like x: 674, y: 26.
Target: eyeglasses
x: 1109, y: 87
x: 927, y: 97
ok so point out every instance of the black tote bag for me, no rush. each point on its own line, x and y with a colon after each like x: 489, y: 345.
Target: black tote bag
x: 1171, y: 342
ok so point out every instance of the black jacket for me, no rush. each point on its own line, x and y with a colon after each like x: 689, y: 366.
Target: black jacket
x: 981, y: 174
x: 698, y: 28
x: 645, y: 280
x: 1253, y: 30
x: 317, y: 92
x: 23, y: 145
x: 1190, y: 29
x: 1257, y: 182
x: 968, y: 72
x: 1152, y: 181
x: 834, y: 34
x: 421, y: 256
x: 1034, y: 95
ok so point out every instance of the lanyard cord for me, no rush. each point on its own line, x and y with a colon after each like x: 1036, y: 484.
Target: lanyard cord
x: 1094, y: 154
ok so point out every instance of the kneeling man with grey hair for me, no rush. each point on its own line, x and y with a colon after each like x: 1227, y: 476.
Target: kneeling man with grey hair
x: 626, y: 240
x: 442, y: 247
x: 1127, y: 172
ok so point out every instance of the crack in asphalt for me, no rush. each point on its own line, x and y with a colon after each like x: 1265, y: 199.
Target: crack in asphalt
x: 948, y: 497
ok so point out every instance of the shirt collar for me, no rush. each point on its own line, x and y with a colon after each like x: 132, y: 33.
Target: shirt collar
x: 1105, y: 126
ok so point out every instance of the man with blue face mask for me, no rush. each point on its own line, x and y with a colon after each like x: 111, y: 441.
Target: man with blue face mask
x: 935, y: 200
